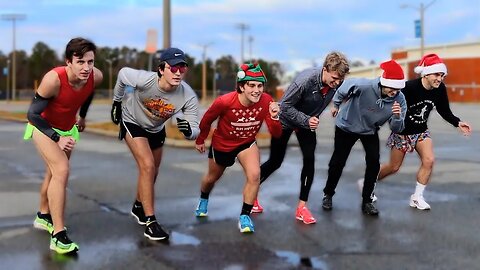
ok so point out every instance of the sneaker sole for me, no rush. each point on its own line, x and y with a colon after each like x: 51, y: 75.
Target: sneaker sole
x: 155, y: 238
x: 246, y: 230
x: 372, y: 215
x: 327, y: 208
x: 138, y: 220
x: 62, y: 251
x: 306, y: 222
x: 201, y: 214
x: 257, y: 211
x: 414, y: 205
x: 40, y: 226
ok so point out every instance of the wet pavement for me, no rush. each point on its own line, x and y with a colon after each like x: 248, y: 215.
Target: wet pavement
x: 102, y: 187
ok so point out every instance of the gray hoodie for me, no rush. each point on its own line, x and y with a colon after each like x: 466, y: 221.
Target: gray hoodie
x: 363, y: 110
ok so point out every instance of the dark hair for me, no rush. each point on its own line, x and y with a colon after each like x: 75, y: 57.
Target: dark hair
x: 161, y: 66
x: 78, y: 47
x: 242, y: 83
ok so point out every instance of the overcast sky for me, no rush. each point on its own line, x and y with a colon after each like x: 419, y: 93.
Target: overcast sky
x: 294, y: 33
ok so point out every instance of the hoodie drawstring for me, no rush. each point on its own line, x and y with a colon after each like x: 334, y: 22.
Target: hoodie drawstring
x: 380, y: 103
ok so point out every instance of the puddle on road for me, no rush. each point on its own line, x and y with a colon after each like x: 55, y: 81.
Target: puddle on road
x: 296, y: 260
x: 177, y: 239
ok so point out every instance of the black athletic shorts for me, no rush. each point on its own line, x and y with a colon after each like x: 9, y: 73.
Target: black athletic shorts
x: 227, y: 159
x: 155, y: 140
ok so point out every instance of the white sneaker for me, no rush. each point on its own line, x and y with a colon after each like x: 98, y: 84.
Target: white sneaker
x: 417, y: 201
x: 360, y: 188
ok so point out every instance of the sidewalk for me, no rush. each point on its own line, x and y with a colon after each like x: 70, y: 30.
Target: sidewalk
x: 99, y: 114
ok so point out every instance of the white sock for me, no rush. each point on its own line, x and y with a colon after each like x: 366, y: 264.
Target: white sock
x: 419, y: 188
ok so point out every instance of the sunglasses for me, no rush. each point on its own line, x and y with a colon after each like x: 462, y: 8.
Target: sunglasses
x: 174, y: 69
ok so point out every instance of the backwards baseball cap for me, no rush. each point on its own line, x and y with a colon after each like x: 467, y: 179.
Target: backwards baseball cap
x: 251, y: 72
x: 429, y: 64
x: 392, y: 76
x: 173, y: 56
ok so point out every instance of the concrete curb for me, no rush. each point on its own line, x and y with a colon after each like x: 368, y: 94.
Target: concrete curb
x: 169, y: 141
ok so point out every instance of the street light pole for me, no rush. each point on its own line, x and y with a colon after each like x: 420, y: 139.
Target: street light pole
x: 421, y: 9
x: 250, y: 42
x: 204, y: 72
x: 110, y: 71
x: 14, y: 18
x: 8, y: 80
x: 166, y: 24
x: 242, y: 27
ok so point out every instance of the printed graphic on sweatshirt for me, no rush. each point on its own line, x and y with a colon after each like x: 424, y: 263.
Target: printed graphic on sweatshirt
x: 159, y: 108
x: 418, y: 113
x: 247, y: 124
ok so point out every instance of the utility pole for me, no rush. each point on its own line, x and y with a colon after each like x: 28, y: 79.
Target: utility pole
x: 242, y: 27
x: 421, y: 9
x: 14, y: 18
x: 250, y: 42
x: 166, y: 24
x: 8, y: 80
x: 204, y: 72
x: 110, y: 71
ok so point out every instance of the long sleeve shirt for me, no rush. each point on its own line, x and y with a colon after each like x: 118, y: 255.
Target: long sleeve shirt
x: 363, y: 110
x: 149, y: 106
x: 421, y: 102
x: 304, y: 99
x: 237, y: 124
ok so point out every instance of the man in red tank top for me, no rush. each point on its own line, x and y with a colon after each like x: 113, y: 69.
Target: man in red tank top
x: 54, y: 128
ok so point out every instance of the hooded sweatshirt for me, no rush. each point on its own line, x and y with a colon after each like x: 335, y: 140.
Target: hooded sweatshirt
x: 363, y: 110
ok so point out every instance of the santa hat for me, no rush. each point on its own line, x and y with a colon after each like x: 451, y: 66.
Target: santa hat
x: 251, y: 72
x: 429, y: 64
x: 392, y: 76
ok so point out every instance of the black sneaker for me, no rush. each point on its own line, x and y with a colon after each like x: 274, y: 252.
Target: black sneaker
x: 155, y: 232
x: 139, y: 214
x: 62, y: 244
x: 369, y: 209
x: 327, y: 202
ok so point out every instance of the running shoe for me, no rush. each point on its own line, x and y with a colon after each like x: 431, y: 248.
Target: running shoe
x: 138, y: 213
x: 43, y: 222
x: 202, y: 208
x: 257, y: 208
x: 327, y: 204
x: 154, y: 231
x: 304, y: 215
x: 61, y: 244
x: 245, y: 224
x: 417, y: 201
x: 369, y: 209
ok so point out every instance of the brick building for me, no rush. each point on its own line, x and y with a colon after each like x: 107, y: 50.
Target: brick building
x: 463, y: 64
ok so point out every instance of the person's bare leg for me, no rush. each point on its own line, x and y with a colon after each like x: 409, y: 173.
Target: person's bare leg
x: 58, y: 164
x: 146, y: 171
x: 250, y: 161
x: 393, y: 165
x: 157, y: 156
x: 43, y: 191
x: 427, y: 158
x: 214, y: 173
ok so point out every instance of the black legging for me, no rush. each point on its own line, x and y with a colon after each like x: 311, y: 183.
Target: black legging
x: 307, y: 140
x: 344, y: 142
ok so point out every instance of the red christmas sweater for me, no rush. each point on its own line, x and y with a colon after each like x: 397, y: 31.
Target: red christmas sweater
x: 237, y: 124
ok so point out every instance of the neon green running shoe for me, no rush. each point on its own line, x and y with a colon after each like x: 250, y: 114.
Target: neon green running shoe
x: 61, y: 244
x: 43, y: 222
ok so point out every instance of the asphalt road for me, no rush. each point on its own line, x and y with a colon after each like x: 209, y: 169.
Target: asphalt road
x: 102, y: 188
